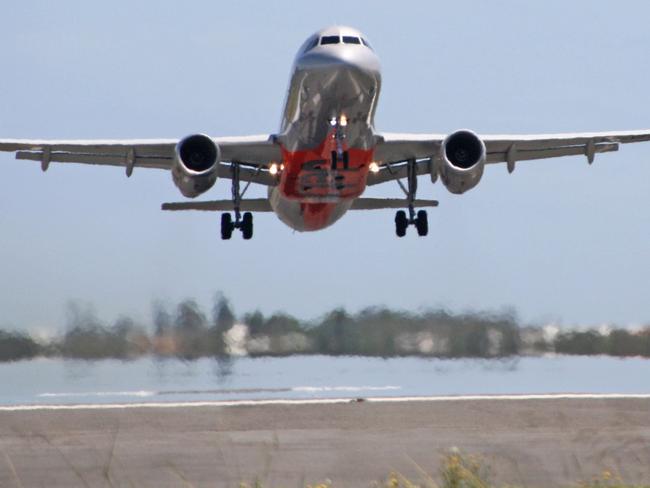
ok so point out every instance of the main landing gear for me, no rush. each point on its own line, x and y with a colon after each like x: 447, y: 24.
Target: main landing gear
x: 420, y: 219
x: 243, y: 222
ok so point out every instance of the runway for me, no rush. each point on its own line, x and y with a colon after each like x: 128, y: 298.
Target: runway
x: 537, y: 440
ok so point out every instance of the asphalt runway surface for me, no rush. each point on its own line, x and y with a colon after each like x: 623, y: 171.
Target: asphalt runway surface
x: 542, y: 441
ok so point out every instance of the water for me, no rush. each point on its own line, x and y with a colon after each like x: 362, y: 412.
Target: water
x: 54, y: 381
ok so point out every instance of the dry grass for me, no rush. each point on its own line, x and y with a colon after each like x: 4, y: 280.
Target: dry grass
x: 608, y: 479
x: 458, y: 470
x: 462, y: 470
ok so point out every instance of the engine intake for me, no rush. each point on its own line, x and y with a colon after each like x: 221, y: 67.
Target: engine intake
x: 196, y: 161
x: 463, y: 157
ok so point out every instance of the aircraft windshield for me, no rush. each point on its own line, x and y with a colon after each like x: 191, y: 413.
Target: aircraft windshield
x: 325, y: 40
x: 329, y: 40
x: 351, y: 40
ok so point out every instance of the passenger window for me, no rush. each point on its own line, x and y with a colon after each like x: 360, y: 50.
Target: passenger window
x: 351, y: 40
x: 329, y: 40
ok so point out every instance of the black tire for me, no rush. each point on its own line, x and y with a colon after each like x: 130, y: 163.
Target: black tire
x: 401, y: 223
x: 422, y: 223
x: 226, y: 226
x: 247, y: 225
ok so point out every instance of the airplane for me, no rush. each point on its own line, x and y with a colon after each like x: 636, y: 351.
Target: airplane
x: 327, y: 151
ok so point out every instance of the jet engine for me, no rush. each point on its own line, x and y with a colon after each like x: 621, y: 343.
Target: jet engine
x: 463, y: 159
x: 196, y: 161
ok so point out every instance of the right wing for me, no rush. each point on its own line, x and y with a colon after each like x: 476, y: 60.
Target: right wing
x: 256, y: 152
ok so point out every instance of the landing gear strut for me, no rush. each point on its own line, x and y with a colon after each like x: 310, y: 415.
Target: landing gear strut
x: 243, y: 222
x: 420, y: 219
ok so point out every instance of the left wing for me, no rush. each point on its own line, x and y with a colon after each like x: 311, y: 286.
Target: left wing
x: 397, y: 148
x: 253, y: 151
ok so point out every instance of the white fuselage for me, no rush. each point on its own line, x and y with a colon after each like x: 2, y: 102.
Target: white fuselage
x: 327, y: 131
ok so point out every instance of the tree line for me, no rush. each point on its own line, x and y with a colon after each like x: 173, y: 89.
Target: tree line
x: 188, y: 332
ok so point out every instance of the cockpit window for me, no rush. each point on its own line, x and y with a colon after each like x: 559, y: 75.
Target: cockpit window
x: 329, y: 40
x: 351, y: 40
x: 311, y: 44
x: 366, y: 43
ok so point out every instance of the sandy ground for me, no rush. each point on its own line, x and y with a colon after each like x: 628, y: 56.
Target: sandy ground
x: 548, y: 442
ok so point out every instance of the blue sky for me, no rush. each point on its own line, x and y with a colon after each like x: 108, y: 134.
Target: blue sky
x: 557, y: 240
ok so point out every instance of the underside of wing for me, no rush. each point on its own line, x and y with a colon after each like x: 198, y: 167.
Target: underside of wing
x: 393, y: 148
x: 156, y: 153
x: 425, y: 150
x: 512, y: 148
x: 252, y: 151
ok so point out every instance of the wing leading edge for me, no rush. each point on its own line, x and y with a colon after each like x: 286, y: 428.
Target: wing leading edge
x: 510, y: 149
x: 254, y: 151
x: 258, y: 151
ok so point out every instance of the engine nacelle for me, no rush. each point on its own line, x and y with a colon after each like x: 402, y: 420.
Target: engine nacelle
x: 463, y: 157
x: 196, y: 161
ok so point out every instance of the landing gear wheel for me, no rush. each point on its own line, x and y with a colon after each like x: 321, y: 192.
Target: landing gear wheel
x: 422, y: 223
x: 401, y: 223
x: 226, y: 226
x: 247, y: 225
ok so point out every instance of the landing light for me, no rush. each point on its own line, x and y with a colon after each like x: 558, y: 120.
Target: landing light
x: 373, y: 167
x: 273, y: 169
x: 343, y: 121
